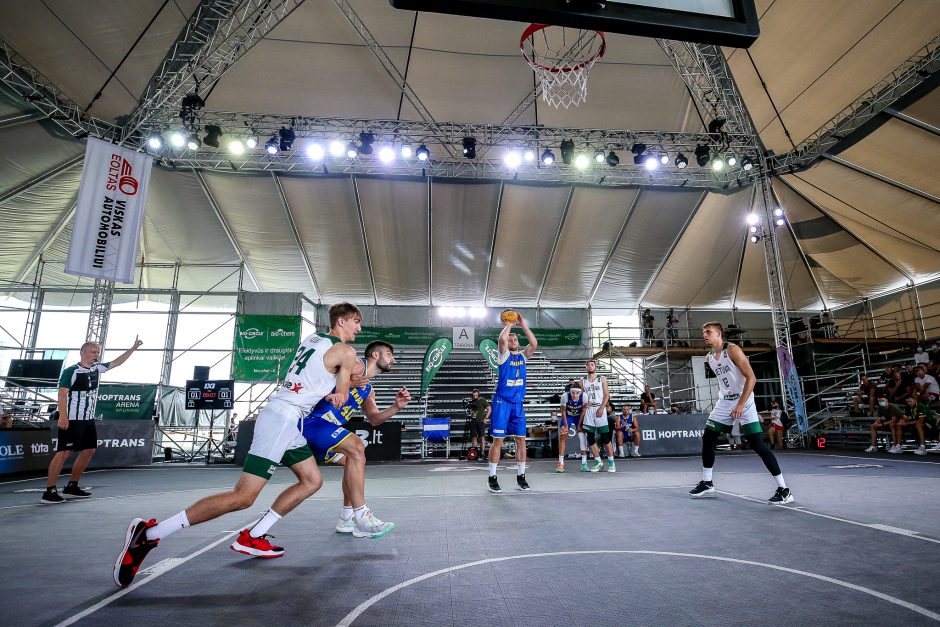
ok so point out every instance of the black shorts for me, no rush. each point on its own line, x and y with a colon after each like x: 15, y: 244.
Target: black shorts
x: 477, y: 430
x: 81, y: 435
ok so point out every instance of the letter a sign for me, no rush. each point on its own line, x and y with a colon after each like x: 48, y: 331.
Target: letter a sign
x: 463, y: 337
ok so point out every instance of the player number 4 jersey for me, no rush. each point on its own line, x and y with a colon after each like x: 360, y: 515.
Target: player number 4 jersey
x: 307, y: 380
x: 730, y: 378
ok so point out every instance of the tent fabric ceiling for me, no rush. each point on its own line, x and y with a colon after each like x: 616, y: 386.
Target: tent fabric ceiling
x: 861, y: 221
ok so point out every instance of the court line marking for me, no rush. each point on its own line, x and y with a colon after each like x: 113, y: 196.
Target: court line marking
x: 365, y: 605
x: 876, y: 526
x: 874, y: 460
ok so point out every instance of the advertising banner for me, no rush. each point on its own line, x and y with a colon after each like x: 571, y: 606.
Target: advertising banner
x: 463, y: 337
x: 490, y: 351
x: 125, y: 402
x: 794, y: 391
x: 417, y: 336
x: 109, y: 212
x: 671, y: 434
x: 433, y: 360
x: 382, y: 442
x: 264, y: 346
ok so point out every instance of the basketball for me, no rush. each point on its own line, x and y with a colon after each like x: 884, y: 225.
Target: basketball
x: 509, y: 315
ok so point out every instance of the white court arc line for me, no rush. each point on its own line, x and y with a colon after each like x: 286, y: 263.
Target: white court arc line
x: 874, y: 460
x: 362, y: 607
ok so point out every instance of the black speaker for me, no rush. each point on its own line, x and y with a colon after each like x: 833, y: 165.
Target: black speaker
x: 201, y: 373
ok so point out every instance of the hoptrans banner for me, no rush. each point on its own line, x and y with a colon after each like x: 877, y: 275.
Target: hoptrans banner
x: 794, y: 391
x: 109, y: 212
x: 264, y: 346
x: 490, y: 351
x: 433, y: 360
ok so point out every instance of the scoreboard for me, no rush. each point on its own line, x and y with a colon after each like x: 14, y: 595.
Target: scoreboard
x: 219, y: 394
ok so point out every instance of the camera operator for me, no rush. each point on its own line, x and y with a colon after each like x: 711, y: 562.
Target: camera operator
x: 478, y: 410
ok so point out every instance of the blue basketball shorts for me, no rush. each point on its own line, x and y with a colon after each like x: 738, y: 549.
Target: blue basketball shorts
x: 506, y: 418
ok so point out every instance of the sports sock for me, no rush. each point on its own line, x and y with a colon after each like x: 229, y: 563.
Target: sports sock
x: 492, y: 468
x: 706, y: 474
x: 168, y: 527
x: 583, y: 458
x: 636, y: 449
x: 347, y: 512
x: 561, y: 460
x: 359, y: 512
x: 264, y: 525
x: 620, y: 450
x: 780, y: 482
x: 520, y: 470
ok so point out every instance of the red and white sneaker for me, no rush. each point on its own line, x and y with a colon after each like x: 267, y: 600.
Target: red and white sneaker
x: 136, y: 547
x: 257, y: 547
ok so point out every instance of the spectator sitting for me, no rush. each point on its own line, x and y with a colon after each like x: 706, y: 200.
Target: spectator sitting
x: 885, y: 377
x: 568, y: 385
x: 648, y: 401
x: 921, y: 356
x: 867, y: 392
x: 673, y: 409
x: 934, y: 352
x: 897, y: 389
x: 888, y: 416
x: 926, y: 389
x: 932, y: 369
x: 916, y: 414
x: 6, y: 420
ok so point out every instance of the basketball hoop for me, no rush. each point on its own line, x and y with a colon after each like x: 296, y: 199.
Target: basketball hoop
x: 562, y: 58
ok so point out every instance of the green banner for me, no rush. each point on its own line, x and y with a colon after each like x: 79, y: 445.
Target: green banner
x: 490, y: 351
x: 433, y: 360
x: 412, y: 336
x: 264, y: 346
x: 125, y: 402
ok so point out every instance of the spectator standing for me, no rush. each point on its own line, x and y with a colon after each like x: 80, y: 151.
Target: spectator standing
x: 776, y: 425
x: 648, y: 401
x: 888, y: 416
x: 479, y: 416
x: 672, y: 325
x: 867, y: 393
x: 647, y: 324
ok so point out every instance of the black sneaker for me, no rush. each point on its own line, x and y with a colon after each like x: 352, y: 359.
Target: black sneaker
x: 523, y: 484
x: 136, y: 547
x: 51, y: 496
x: 75, y: 492
x: 494, y: 485
x: 703, y: 489
x: 781, y: 497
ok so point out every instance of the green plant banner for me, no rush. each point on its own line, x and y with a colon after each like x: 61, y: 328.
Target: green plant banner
x: 264, y: 346
x: 125, y: 402
x: 412, y: 336
x: 490, y: 351
x: 433, y: 360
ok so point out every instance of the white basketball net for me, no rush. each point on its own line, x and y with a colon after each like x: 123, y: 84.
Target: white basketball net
x: 562, y: 58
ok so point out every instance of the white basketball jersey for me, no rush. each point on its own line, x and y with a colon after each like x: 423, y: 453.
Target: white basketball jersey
x: 307, y: 380
x: 593, y: 393
x: 730, y: 378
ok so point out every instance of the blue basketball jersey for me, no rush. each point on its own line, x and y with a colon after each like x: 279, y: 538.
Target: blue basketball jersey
x: 511, y: 383
x: 572, y: 407
x: 626, y: 422
x: 357, y: 396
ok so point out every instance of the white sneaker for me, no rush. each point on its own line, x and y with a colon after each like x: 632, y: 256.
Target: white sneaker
x: 921, y: 450
x: 371, y: 527
x: 896, y: 449
x: 635, y: 454
x: 346, y: 526
x: 872, y: 449
x: 936, y: 447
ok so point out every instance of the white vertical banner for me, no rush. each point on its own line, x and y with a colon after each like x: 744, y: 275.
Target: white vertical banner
x: 109, y: 212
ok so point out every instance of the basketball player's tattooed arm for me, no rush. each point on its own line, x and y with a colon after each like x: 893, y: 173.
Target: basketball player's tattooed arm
x: 376, y: 417
x: 533, y: 343
x: 739, y: 359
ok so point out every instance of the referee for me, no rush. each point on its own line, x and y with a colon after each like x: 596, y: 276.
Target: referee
x: 78, y: 389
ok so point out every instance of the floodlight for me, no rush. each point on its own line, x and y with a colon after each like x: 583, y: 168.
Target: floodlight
x: 386, y: 154
x: 423, y: 153
x: 548, y: 157
x: 681, y: 161
x: 315, y: 151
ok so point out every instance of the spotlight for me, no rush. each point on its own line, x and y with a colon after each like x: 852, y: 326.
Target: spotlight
x: 366, y: 139
x: 315, y: 151
x: 567, y: 151
x: 746, y: 163
x: 753, y: 229
x: 236, y: 147
x: 193, y: 143
x: 638, y: 149
x: 469, y: 148
x: 529, y: 155
x: 752, y: 218
x: 681, y: 161
x: 287, y: 137
x: 581, y: 161
x: 612, y: 159
x: 337, y: 148
x: 478, y: 312
x: 351, y: 150
x: 177, y: 139
x: 155, y: 141
x: 663, y: 158
x: 779, y: 222
x: 732, y: 160
x: 406, y: 151
x: 252, y: 141
x: 423, y: 153
x: 548, y: 157
x: 650, y: 162
x: 702, y: 155
x: 755, y: 238
x: 386, y: 154
x: 599, y: 156
x: 512, y: 159
x: 213, y: 133
x: 778, y: 212
x: 718, y: 164
x: 272, y: 146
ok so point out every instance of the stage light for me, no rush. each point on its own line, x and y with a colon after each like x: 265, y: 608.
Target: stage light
x: 406, y: 151
x: 664, y: 158
x: 177, y: 139
x: 236, y: 147
x: 778, y: 212
x: 272, y: 146
x: 638, y: 149
x: 529, y: 155
x: 469, y: 148
x: 336, y: 148
x: 732, y: 160
x: 459, y: 312
x: 213, y: 133
x: 747, y: 164
x: 612, y: 159
x: 780, y: 222
x: 155, y: 141
x: 351, y: 150
x: 752, y: 218
x: 444, y: 312
x: 702, y: 155
x: 286, y: 137
x: 548, y: 157
x: 581, y: 161
x: 650, y: 162
x: 251, y: 141
x: 755, y: 239
x: 193, y: 143
x: 718, y: 164
x: 315, y: 151
x: 681, y: 161
x: 386, y: 154
x: 512, y: 159
x: 599, y: 156
x: 567, y: 151
x: 753, y: 229
x: 365, y: 140
x: 423, y: 153
x: 477, y: 312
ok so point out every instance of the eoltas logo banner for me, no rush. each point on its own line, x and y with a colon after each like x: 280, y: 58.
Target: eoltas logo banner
x: 250, y: 334
x: 119, y: 176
